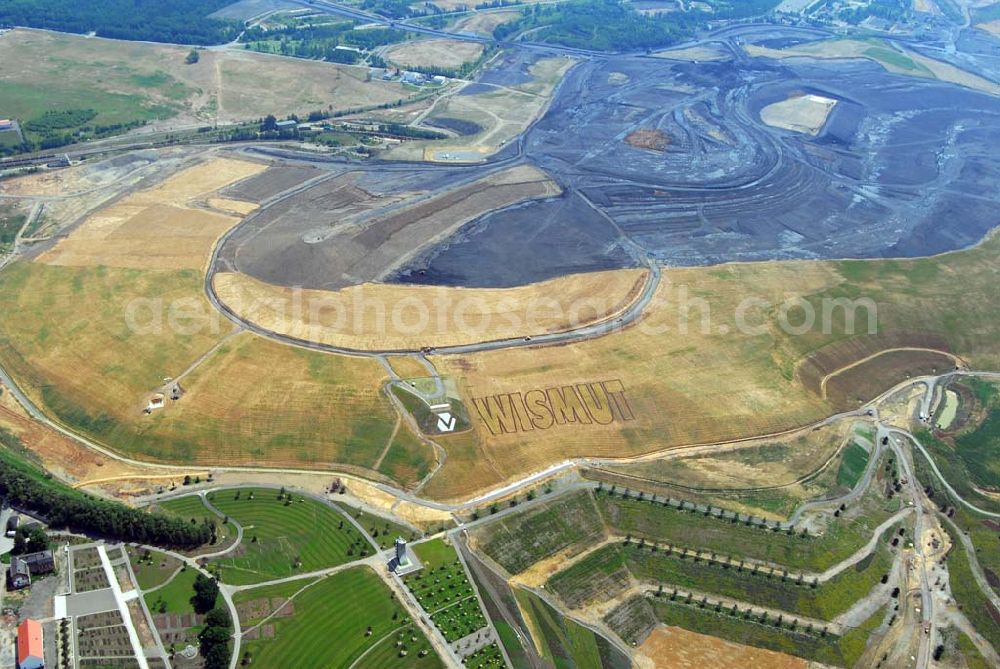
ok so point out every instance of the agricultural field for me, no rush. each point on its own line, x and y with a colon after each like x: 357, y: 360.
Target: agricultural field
x: 564, y: 527
x: 284, y: 534
x: 127, y: 360
x: 130, y: 83
x: 764, y: 393
x: 300, y: 631
x: 606, y: 572
x: 670, y: 647
x: 484, y: 22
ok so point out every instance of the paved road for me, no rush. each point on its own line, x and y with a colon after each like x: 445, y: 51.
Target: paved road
x: 133, y: 635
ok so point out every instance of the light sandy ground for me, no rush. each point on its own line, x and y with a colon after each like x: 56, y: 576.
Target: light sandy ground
x: 695, y: 53
x: 485, y: 22
x: 154, y: 229
x: 232, y: 206
x: 926, y: 6
x: 804, y: 113
x: 388, y: 316
x: 443, y: 53
x: 991, y: 27
x: 418, y: 515
x: 676, y: 648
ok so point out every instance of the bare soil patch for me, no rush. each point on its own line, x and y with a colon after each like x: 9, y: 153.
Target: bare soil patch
x: 648, y: 138
x: 803, y: 113
x: 350, y: 244
x: 862, y: 382
x: 828, y: 360
x: 676, y: 648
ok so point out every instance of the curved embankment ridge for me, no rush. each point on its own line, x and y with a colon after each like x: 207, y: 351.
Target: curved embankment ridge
x: 406, y: 317
x: 841, y: 372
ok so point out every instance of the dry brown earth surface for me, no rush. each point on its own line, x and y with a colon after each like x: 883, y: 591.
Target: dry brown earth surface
x: 676, y: 648
x: 439, y: 53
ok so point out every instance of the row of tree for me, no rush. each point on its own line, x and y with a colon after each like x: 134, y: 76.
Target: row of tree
x: 214, y: 636
x: 177, y: 21
x: 29, y: 488
x: 612, y: 25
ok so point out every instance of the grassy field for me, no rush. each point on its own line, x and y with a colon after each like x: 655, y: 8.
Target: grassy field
x: 383, y: 531
x: 152, y: 570
x: 488, y: 656
x: 12, y: 219
x: 537, y: 542
x: 129, y: 81
x: 285, y: 536
x: 313, y: 637
x: 91, y: 344
x: 979, y: 449
x: 408, y: 459
x: 973, y: 603
x: 852, y: 465
x: 558, y: 639
x: 175, y: 596
x: 191, y: 507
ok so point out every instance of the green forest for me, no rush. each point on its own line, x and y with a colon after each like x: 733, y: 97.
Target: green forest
x: 176, y: 21
x: 27, y: 487
x: 610, y: 25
